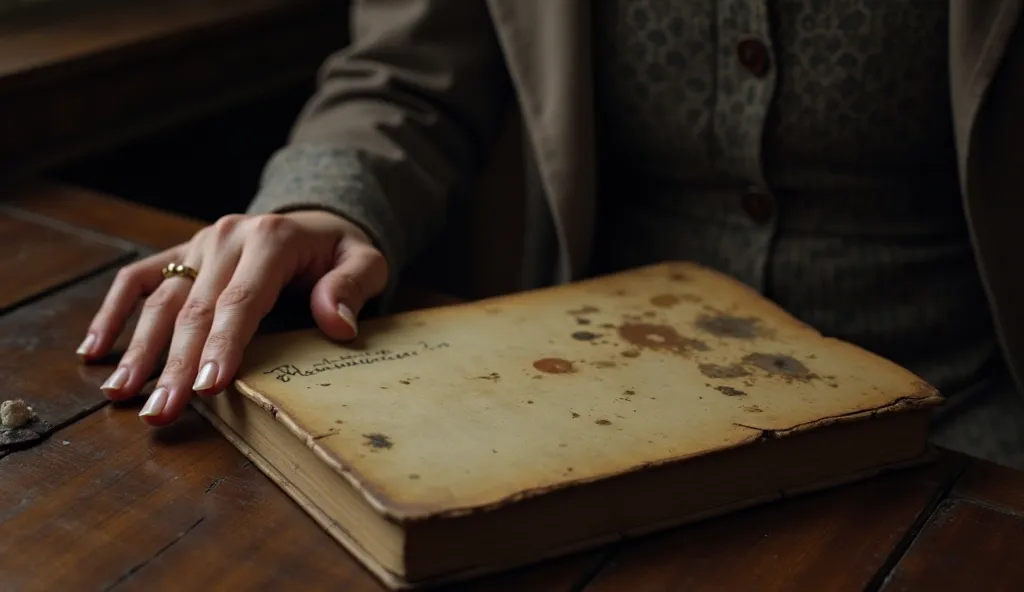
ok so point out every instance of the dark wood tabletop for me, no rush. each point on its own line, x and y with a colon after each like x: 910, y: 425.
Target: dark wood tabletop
x: 134, y: 68
x: 103, y: 502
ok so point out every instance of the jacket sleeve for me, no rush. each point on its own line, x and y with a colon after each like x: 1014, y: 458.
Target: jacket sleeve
x: 400, y: 122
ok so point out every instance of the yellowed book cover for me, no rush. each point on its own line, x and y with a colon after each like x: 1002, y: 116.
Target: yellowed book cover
x: 457, y: 441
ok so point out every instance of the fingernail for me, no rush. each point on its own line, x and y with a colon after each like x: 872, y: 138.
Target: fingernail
x: 155, y: 404
x: 346, y: 315
x: 87, y: 345
x: 116, y: 381
x: 207, y: 376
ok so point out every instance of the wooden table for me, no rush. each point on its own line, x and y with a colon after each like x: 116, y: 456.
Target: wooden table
x: 107, y: 503
x: 80, y: 76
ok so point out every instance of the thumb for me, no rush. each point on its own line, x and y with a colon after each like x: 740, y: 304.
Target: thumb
x: 339, y: 296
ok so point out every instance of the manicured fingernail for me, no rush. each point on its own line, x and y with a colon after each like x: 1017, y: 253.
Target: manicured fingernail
x: 155, y: 404
x: 87, y: 344
x: 346, y: 315
x: 116, y: 381
x: 207, y: 377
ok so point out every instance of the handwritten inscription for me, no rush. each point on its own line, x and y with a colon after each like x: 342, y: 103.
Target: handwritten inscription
x: 286, y: 372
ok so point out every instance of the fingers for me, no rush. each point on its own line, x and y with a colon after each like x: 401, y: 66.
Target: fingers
x: 153, y: 331
x: 339, y: 296
x: 262, y: 272
x: 191, y: 327
x: 131, y: 283
x: 243, y: 264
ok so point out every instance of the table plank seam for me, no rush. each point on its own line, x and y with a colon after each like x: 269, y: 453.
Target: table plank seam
x: 62, y: 226
x: 53, y: 290
x: 956, y: 498
x: 939, y: 497
x: 54, y: 428
x: 142, y: 564
x: 591, y: 575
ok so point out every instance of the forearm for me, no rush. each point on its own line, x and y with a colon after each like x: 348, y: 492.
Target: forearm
x: 400, y: 123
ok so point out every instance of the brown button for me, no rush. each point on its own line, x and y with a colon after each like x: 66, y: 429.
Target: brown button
x: 753, y: 55
x: 759, y: 206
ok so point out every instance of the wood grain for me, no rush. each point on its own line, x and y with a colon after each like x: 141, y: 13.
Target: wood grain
x: 173, y: 509
x: 993, y: 485
x: 138, y: 67
x: 157, y: 509
x: 101, y: 213
x: 965, y: 546
x: 37, y: 353
x: 835, y: 540
x: 107, y: 503
x: 36, y: 257
x: 34, y: 40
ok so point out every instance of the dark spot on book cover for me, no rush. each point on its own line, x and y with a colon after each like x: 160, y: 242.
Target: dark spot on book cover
x: 780, y: 365
x: 730, y: 391
x: 554, y: 366
x: 719, y: 371
x: 659, y: 337
x: 726, y: 325
x: 665, y: 300
x: 378, y: 441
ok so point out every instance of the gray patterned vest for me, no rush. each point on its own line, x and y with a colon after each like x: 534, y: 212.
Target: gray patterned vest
x: 804, y: 147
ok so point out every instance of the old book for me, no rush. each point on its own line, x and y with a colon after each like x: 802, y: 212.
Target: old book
x: 452, y: 442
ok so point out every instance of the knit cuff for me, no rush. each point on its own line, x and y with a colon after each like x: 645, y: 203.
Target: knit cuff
x: 338, y: 180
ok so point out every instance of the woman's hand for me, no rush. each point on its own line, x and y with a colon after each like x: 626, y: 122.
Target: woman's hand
x: 244, y: 262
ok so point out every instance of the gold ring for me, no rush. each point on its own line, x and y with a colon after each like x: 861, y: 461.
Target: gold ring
x: 179, y: 270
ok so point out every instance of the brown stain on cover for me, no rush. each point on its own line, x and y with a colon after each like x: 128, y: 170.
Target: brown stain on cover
x: 584, y: 310
x: 554, y: 366
x: 780, y: 365
x: 631, y: 353
x: 730, y: 391
x: 603, y: 422
x: 718, y: 371
x: 659, y: 338
x: 378, y: 441
x: 727, y: 325
x: 494, y: 376
x: 585, y: 336
x: 665, y: 300
x: 679, y: 277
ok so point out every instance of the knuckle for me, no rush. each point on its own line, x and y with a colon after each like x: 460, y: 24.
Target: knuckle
x: 136, y: 352
x: 195, y: 312
x: 375, y: 260
x: 175, y: 366
x: 225, y: 226
x: 275, y: 225
x: 218, y: 341
x: 237, y: 296
x: 351, y: 287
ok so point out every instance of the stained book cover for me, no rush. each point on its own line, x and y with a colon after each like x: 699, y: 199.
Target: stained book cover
x: 465, y: 408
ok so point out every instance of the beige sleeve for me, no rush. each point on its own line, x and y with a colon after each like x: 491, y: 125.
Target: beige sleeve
x: 401, y: 121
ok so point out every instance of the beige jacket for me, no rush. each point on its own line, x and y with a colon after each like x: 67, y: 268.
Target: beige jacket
x: 422, y: 92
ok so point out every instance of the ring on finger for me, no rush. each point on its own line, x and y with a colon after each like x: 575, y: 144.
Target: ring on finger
x: 172, y: 270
